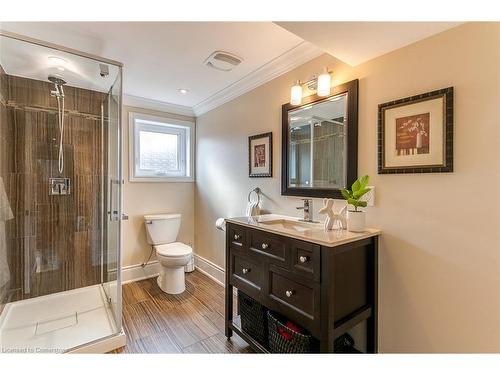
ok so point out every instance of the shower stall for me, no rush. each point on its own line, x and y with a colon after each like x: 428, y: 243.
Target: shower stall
x: 60, y: 199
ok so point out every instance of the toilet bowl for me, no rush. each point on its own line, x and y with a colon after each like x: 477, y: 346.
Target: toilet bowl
x: 172, y: 256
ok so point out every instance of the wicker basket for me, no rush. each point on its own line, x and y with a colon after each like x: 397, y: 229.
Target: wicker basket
x: 345, y: 344
x: 253, y: 318
x: 284, y: 340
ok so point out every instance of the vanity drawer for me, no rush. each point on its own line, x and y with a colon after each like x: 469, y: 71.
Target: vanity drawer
x: 297, y: 299
x: 274, y: 249
x: 306, y: 259
x: 237, y: 237
x: 246, y: 275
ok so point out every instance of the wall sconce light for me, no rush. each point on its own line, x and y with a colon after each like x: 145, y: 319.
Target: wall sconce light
x: 321, y: 84
x: 324, y: 81
x: 296, y: 94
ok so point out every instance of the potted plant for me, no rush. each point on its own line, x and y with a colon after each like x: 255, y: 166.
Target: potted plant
x: 356, y: 219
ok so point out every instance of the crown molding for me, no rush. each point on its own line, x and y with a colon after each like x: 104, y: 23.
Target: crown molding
x: 157, y: 105
x: 282, y: 64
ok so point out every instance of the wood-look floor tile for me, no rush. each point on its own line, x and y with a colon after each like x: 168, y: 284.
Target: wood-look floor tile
x: 141, y: 320
x: 156, y: 344
x: 134, y: 293
x: 193, y: 321
x: 219, y: 344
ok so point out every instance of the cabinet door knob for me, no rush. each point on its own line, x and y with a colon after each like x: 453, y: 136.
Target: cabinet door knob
x: 265, y: 246
x: 245, y: 270
x: 237, y: 237
x: 303, y: 259
x: 289, y: 293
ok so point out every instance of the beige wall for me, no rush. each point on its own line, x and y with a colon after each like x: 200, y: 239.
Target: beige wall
x: 439, y: 252
x: 142, y: 198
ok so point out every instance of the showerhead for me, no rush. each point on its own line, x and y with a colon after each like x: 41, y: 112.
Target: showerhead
x: 56, y: 80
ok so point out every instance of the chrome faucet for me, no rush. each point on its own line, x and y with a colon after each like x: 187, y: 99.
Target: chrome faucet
x: 308, y: 210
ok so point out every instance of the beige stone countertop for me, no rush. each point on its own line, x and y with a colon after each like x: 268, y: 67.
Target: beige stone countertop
x: 312, y: 232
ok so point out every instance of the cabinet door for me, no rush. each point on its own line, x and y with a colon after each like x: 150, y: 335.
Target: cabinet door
x: 296, y: 298
x: 306, y: 259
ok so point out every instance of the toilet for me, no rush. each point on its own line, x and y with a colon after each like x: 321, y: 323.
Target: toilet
x: 173, y: 256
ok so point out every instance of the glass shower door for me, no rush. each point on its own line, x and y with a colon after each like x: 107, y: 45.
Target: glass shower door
x: 112, y: 186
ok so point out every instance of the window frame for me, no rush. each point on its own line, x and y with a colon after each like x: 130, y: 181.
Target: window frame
x: 183, y: 128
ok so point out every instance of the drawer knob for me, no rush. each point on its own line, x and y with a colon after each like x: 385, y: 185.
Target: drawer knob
x: 289, y: 293
x: 237, y: 237
x: 245, y: 270
x: 303, y: 259
x: 265, y: 246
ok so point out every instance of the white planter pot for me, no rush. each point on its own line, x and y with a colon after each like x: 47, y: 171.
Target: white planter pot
x: 356, y: 221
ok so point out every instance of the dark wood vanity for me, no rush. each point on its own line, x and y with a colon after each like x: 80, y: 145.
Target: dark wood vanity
x: 326, y: 289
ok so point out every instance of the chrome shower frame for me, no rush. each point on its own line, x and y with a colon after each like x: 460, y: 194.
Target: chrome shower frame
x: 120, y: 336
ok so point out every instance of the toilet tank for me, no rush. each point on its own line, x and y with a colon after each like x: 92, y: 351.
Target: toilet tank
x: 163, y: 228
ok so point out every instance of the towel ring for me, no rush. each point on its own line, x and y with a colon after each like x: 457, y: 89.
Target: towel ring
x: 256, y: 191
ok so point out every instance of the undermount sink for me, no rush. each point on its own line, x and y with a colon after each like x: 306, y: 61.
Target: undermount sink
x: 299, y: 226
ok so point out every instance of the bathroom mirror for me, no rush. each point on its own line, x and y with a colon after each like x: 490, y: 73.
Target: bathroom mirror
x: 320, y: 143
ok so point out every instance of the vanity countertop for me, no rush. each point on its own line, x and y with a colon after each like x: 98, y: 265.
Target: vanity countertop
x: 292, y: 227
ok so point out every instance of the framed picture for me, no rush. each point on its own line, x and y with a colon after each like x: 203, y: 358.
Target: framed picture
x: 260, y: 155
x: 415, y: 134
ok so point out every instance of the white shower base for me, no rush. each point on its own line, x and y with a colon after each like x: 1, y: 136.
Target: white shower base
x: 60, y: 322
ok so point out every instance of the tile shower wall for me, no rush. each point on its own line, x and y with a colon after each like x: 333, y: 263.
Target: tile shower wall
x: 53, y: 242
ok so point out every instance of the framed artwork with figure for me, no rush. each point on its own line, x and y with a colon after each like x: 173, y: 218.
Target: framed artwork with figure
x: 260, y: 155
x: 415, y: 134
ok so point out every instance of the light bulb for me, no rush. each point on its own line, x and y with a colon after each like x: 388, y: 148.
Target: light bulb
x: 324, y: 81
x: 296, y: 94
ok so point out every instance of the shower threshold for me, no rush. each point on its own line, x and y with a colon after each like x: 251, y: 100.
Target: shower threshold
x: 78, y: 320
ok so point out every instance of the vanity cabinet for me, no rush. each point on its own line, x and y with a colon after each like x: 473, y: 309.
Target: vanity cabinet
x: 325, y: 289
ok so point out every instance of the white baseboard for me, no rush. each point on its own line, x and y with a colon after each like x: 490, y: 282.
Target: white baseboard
x: 210, y: 269
x: 136, y: 272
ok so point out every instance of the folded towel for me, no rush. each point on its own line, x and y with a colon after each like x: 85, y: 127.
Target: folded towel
x: 253, y: 209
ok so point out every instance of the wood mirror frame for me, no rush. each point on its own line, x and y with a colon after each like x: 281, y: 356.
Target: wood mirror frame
x: 351, y: 88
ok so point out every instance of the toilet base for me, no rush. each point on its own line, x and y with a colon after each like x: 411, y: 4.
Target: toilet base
x: 172, y: 280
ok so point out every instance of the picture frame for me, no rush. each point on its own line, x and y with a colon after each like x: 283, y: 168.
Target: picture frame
x: 260, y: 155
x: 415, y: 134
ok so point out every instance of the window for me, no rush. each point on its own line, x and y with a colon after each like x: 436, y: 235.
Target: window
x: 161, y: 149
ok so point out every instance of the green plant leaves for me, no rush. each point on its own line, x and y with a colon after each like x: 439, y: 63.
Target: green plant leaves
x: 346, y: 194
x: 358, y: 194
x: 354, y: 202
x: 358, y: 190
x: 356, y: 185
x: 363, y: 180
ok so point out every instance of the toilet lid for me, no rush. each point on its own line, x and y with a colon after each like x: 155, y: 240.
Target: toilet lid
x: 174, y: 249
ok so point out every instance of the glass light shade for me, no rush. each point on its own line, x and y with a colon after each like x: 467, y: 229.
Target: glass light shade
x: 296, y: 94
x: 324, y: 81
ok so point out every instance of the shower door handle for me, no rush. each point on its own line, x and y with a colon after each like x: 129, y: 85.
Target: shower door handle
x: 114, y: 214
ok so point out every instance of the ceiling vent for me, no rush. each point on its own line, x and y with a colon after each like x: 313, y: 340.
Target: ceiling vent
x: 223, y: 61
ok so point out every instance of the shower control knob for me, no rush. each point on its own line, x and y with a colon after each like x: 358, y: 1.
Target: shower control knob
x: 303, y: 259
x: 265, y: 246
x: 245, y: 270
x: 289, y: 293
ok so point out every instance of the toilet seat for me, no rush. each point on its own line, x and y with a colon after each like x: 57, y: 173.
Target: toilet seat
x: 173, y: 250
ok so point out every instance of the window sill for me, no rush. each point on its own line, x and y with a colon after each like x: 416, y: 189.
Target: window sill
x: 161, y: 179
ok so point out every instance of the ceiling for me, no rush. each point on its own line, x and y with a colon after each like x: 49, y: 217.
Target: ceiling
x: 357, y: 42
x: 160, y: 58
